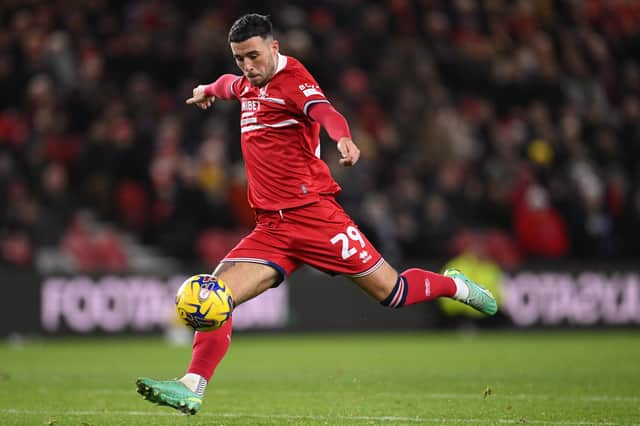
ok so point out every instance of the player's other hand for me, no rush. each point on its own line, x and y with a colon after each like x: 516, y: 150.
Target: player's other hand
x: 349, y: 152
x: 200, y: 99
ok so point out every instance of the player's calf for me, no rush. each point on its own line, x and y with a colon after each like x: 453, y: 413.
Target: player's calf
x: 417, y: 285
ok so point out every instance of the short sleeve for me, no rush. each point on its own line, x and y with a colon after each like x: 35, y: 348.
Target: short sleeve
x: 305, y: 91
x: 235, y: 87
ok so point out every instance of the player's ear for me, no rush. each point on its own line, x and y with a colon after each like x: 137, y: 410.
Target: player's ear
x: 275, y: 46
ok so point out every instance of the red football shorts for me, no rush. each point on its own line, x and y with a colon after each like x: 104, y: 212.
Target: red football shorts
x: 320, y: 234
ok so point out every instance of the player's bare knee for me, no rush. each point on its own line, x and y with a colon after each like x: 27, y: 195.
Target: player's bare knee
x: 246, y: 280
x: 380, y: 283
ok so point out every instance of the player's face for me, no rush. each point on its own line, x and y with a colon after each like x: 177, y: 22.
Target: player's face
x: 257, y: 58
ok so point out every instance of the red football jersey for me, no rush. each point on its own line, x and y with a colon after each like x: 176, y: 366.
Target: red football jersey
x: 280, y: 142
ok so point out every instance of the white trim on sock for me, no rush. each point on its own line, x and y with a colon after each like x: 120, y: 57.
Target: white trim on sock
x: 462, y: 291
x: 195, y: 382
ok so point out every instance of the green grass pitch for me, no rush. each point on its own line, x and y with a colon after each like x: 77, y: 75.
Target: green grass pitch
x: 555, y: 378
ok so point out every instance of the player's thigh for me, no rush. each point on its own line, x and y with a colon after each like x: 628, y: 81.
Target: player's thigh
x: 379, y: 283
x: 246, y: 280
x: 326, y: 237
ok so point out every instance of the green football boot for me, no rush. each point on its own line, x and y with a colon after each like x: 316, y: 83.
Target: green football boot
x: 479, y: 298
x: 172, y: 393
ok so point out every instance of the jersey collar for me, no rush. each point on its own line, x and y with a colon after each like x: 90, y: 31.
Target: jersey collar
x: 282, y: 62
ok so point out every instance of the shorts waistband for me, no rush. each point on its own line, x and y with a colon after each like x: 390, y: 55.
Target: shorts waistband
x: 282, y: 212
x: 289, y: 209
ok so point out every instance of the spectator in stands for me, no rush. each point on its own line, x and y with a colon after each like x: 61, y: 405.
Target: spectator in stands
x: 91, y: 117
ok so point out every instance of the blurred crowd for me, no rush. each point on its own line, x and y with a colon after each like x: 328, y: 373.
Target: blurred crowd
x: 510, y: 126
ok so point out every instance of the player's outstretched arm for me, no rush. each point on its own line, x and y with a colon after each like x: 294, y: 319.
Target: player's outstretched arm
x: 205, y: 94
x: 336, y: 126
x: 200, y: 98
x: 349, y: 151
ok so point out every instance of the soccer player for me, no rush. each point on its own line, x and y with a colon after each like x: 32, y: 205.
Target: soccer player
x: 298, y: 220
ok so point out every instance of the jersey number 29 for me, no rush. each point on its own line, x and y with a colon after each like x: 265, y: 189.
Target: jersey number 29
x: 352, y: 234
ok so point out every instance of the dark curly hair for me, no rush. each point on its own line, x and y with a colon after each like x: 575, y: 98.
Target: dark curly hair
x: 250, y: 25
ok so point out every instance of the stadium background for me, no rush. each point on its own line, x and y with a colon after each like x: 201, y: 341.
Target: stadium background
x: 502, y: 134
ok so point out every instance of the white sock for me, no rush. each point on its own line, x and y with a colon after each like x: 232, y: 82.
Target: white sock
x: 195, y: 382
x: 462, y: 291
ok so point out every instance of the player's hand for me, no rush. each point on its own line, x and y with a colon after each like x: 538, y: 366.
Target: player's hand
x: 349, y: 152
x: 200, y: 99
